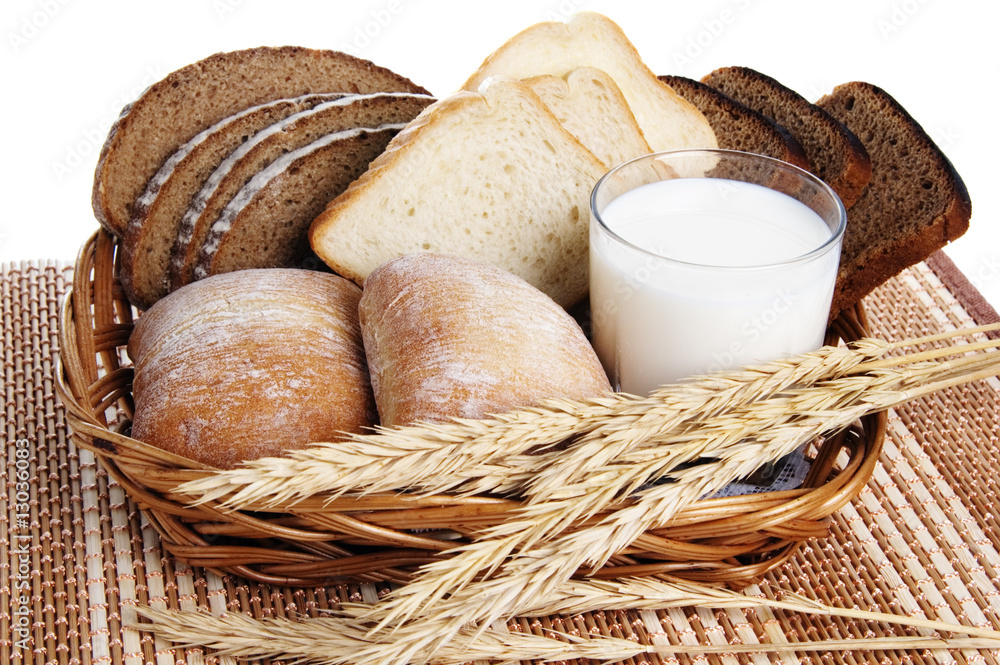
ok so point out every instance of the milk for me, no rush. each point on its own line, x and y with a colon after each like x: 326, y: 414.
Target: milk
x: 706, y: 274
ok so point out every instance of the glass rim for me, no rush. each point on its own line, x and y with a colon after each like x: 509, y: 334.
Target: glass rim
x: 836, y: 236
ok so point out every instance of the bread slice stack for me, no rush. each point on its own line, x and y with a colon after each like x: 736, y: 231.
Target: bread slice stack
x: 169, y: 141
x: 502, y: 170
x: 156, y: 214
x: 737, y: 126
x: 206, y: 217
x: 489, y: 175
x: 262, y: 157
x: 595, y: 88
x: 835, y: 154
x: 668, y: 121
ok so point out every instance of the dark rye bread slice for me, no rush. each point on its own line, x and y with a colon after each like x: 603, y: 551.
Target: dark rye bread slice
x: 915, y: 204
x: 156, y: 216
x: 266, y: 224
x: 835, y: 154
x: 197, y: 96
x: 737, y: 126
x: 295, y: 131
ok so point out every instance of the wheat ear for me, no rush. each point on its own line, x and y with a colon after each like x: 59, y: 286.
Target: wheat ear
x: 530, y: 560
x: 321, y: 641
x: 336, y: 639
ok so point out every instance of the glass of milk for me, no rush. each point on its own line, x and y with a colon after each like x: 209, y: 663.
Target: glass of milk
x: 707, y: 260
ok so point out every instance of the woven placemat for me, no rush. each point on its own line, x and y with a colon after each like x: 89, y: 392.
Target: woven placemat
x: 76, y: 556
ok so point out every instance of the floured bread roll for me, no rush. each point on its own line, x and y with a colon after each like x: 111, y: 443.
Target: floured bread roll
x: 249, y: 364
x: 453, y: 337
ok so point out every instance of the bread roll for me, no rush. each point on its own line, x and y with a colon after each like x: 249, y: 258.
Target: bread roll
x: 453, y: 337
x: 249, y: 364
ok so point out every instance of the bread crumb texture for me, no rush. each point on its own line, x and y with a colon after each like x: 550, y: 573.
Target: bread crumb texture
x: 915, y: 204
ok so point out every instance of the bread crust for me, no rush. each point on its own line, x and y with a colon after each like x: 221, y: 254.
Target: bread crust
x: 448, y: 337
x: 250, y: 364
x: 148, y: 129
x: 915, y: 204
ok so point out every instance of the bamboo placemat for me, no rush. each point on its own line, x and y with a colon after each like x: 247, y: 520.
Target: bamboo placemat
x: 923, y: 538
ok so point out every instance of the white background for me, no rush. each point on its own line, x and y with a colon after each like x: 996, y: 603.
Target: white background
x: 68, y: 66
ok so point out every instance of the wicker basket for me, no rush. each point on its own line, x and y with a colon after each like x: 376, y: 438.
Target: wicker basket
x: 731, y: 540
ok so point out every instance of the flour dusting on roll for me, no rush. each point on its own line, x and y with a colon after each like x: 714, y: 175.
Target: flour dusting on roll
x: 250, y: 364
x: 452, y: 337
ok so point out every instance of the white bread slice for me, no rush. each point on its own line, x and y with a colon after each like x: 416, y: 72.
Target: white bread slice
x: 590, y: 105
x: 668, y: 121
x: 489, y: 175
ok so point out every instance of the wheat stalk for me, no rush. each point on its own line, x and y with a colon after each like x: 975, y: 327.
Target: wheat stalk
x: 338, y: 639
x: 649, y: 593
x: 327, y: 642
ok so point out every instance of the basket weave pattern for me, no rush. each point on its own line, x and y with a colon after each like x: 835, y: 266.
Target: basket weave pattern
x: 316, y: 541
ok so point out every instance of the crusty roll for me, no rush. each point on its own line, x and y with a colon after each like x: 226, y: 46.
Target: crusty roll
x: 452, y: 337
x: 249, y: 364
